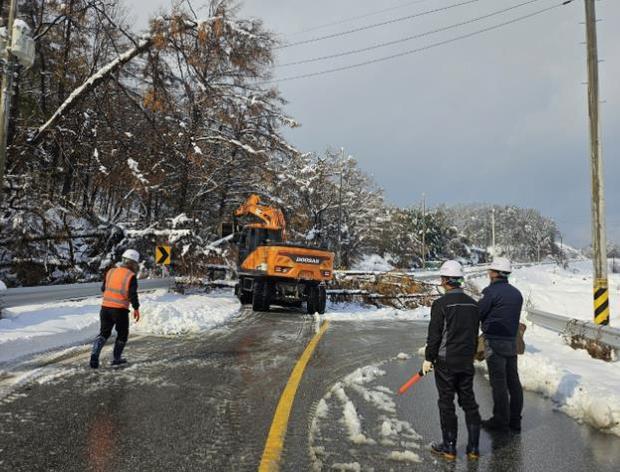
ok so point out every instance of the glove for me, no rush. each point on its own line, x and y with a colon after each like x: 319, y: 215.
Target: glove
x: 136, y: 315
x: 427, y: 366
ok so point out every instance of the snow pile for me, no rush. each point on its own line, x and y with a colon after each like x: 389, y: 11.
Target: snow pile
x: 2, y: 286
x: 374, y: 263
x: 174, y: 315
x: 584, y: 388
x: 359, y: 312
x: 32, y: 329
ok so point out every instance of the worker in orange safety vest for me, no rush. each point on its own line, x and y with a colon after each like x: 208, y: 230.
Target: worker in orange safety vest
x: 120, y: 289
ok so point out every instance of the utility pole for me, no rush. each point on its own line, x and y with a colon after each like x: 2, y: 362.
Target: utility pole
x: 339, y: 256
x: 423, y: 231
x: 599, y: 243
x: 6, y: 93
x: 493, y: 231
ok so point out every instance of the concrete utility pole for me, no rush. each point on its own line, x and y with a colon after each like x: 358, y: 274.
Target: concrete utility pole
x: 338, y: 254
x: 599, y: 243
x: 6, y: 93
x: 423, y: 231
x: 493, y: 231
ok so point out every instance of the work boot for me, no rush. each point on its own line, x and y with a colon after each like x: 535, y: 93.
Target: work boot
x: 492, y: 424
x: 117, y: 353
x: 97, y: 346
x: 446, y: 448
x: 473, y: 440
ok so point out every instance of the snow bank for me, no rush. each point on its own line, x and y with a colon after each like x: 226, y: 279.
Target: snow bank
x: 175, y: 314
x: 28, y: 330
x: 584, y: 388
x: 2, y: 286
x: 359, y: 312
x: 562, y: 291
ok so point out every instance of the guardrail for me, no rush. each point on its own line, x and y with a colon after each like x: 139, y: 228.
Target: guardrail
x: 23, y: 296
x: 573, y: 327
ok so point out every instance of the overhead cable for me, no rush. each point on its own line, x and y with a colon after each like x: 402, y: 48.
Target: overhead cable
x: 354, y: 18
x: 417, y: 50
x: 408, y: 38
x: 376, y: 25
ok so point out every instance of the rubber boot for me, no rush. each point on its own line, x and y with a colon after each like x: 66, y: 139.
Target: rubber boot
x: 447, y: 448
x: 473, y: 440
x: 97, y: 346
x: 117, y: 353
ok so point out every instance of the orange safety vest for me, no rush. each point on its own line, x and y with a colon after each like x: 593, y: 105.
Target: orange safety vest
x: 116, y: 294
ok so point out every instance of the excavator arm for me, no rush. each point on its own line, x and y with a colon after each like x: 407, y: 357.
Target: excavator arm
x: 271, y: 218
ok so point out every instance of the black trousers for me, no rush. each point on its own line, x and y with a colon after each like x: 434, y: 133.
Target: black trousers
x: 459, y: 380
x: 114, y: 318
x: 505, y: 384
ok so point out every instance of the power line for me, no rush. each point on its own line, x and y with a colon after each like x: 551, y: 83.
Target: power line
x: 376, y: 25
x: 414, y: 51
x: 408, y: 38
x: 353, y: 18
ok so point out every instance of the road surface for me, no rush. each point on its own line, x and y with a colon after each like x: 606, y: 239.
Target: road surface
x: 207, y: 403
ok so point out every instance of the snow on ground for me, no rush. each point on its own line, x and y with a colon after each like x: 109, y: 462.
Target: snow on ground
x: 359, y: 312
x: 563, y: 291
x: 337, y: 415
x: 584, y: 388
x: 31, y: 329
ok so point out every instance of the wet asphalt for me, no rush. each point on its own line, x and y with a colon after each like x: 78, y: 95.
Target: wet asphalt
x: 206, y: 403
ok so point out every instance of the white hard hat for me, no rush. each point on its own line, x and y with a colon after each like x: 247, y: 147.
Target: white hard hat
x: 501, y: 264
x: 132, y: 255
x: 451, y: 269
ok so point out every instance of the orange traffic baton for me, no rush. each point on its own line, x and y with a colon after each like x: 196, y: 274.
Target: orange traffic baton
x: 409, y: 383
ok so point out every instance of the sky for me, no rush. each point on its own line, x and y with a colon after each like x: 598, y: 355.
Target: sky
x: 500, y: 117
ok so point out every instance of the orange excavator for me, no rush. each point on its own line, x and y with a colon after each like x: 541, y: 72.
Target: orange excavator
x: 273, y: 270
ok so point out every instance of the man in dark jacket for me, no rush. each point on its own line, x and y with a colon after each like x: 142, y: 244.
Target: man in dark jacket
x: 120, y: 290
x: 500, y: 310
x: 450, y: 348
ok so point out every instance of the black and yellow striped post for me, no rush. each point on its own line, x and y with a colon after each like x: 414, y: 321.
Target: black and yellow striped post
x: 599, y: 239
x: 601, y: 302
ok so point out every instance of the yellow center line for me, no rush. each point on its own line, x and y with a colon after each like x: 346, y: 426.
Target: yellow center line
x: 270, y: 462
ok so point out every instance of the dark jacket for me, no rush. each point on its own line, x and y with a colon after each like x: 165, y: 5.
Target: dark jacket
x: 133, y: 291
x: 500, y: 310
x: 453, y: 330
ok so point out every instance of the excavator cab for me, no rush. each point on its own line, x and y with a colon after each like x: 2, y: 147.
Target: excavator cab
x: 251, y: 238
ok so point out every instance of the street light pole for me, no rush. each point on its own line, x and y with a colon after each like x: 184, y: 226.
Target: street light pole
x: 6, y: 93
x: 599, y: 243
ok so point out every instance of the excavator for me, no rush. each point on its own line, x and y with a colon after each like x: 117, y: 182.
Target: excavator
x: 273, y: 270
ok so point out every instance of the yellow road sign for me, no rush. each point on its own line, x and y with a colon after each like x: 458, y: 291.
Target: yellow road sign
x: 163, y: 255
